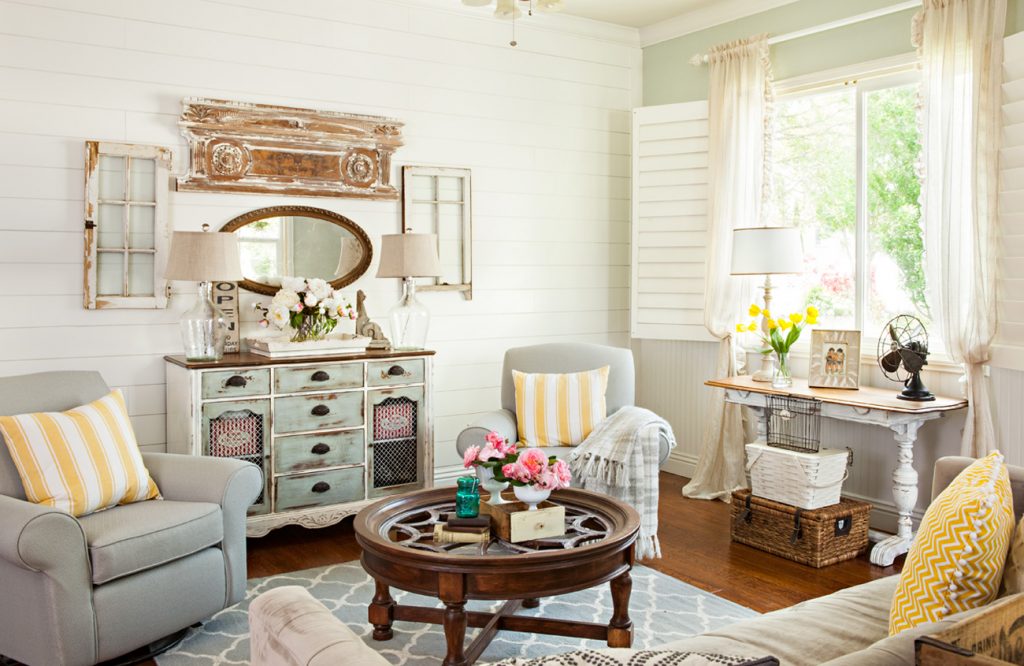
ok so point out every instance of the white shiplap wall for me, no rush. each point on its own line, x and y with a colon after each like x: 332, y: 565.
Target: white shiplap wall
x: 545, y: 128
x: 1008, y: 350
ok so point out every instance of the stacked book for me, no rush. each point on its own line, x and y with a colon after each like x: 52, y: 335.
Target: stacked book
x: 463, y: 530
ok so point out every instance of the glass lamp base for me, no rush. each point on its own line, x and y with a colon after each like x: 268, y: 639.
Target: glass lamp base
x: 203, y: 329
x: 410, y: 320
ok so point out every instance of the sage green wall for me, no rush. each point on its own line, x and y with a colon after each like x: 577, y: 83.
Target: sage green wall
x: 668, y: 76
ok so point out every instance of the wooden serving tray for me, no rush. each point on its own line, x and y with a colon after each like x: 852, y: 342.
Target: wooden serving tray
x: 514, y: 522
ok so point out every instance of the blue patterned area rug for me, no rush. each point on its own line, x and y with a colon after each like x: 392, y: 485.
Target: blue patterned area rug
x: 662, y: 608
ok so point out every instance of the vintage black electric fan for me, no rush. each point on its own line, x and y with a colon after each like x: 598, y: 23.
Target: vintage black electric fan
x: 903, y: 353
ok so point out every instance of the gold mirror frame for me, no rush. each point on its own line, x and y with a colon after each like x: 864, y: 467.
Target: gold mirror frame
x: 305, y: 211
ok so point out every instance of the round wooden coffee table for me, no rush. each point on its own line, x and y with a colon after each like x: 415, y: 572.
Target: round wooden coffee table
x: 396, y: 534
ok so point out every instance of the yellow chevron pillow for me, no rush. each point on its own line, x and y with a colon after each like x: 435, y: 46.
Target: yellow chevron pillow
x: 80, y: 461
x: 956, y: 560
x: 559, y: 409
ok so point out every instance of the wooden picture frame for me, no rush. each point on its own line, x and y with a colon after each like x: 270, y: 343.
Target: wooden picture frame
x: 835, y: 359
x: 439, y: 200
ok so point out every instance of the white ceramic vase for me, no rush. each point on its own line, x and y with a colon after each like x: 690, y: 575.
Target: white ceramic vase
x: 531, y: 495
x: 491, y: 485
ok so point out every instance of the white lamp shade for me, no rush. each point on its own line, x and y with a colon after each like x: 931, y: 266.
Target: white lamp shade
x: 767, y: 251
x: 408, y: 255
x: 203, y: 256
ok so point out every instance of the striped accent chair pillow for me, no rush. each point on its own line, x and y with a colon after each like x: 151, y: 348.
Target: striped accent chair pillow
x: 80, y: 461
x: 559, y: 409
x: 957, y: 558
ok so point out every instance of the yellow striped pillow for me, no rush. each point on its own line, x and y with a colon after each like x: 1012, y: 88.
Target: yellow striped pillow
x: 80, y: 461
x: 559, y: 410
x: 956, y: 560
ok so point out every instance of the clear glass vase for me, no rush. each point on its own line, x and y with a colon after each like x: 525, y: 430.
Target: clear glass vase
x: 409, y: 319
x: 314, y: 327
x: 203, y: 329
x: 782, y: 377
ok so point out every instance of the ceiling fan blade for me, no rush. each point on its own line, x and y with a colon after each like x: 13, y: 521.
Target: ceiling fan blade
x: 891, y: 361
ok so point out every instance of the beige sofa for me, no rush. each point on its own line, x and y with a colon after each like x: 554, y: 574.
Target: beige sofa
x: 847, y: 628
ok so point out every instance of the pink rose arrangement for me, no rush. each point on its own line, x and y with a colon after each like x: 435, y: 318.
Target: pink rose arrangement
x: 532, y: 468
x: 495, y: 452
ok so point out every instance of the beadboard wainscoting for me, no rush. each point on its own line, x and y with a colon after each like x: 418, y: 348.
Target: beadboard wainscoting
x: 544, y: 127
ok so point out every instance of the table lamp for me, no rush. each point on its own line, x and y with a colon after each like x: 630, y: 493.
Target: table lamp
x: 409, y: 256
x: 203, y: 257
x: 766, y: 251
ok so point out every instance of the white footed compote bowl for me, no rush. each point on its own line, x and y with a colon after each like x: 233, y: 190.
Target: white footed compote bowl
x: 491, y: 485
x: 531, y: 495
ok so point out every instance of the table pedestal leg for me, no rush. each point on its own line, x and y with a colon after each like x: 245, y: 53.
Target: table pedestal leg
x: 904, y: 494
x: 455, y: 632
x: 620, y: 629
x: 382, y: 613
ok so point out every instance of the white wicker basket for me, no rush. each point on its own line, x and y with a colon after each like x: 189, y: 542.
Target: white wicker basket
x: 806, y: 480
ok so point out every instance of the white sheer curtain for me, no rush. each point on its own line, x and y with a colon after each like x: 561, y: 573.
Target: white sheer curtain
x: 738, y: 95
x: 961, y: 48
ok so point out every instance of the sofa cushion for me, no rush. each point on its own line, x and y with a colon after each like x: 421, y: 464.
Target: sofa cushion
x: 627, y: 657
x: 809, y: 633
x: 135, y: 537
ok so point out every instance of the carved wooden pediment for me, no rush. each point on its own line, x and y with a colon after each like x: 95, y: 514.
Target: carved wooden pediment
x: 241, y: 147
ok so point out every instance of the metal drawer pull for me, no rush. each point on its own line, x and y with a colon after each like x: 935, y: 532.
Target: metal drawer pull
x: 320, y: 376
x: 395, y: 371
x: 320, y: 449
x: 320, y: 410
x: 321, y: 487
x: 238, y: 381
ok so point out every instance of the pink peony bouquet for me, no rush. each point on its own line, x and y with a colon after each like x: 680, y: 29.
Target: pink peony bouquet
x: 495, y: 452
x: 532, y: 468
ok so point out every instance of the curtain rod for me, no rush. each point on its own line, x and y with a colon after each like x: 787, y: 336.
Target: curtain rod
x: 702, y: 59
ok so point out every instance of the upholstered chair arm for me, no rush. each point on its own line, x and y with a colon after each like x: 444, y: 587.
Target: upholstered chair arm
x: 503, y: 421
x: 41, y: 538
x: 232, y: 484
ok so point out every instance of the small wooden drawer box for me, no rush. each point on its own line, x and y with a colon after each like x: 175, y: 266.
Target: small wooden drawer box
x: 298, y: 491
x: 301, y: 413
x: 395, y: 373
x: 992, y: 637
x: 513, y: 522
x: 817, y: 537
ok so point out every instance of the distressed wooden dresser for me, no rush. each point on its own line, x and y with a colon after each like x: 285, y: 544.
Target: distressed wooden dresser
x: 330, y: 433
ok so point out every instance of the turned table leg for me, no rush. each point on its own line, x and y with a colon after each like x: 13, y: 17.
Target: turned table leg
x: 382, y: 613
x: 620, y: 629
x: 455, y: 632
x: 904, y: 493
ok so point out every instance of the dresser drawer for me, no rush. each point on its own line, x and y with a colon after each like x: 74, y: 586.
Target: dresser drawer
x: 235, y: 383
x: 392, y: 373
x: 325, y: 411
x: 299, y: 491
x: 325, y: 377
x: 301, y: 453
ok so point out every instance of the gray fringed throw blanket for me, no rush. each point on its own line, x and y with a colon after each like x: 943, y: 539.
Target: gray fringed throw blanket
x: 620, y: 458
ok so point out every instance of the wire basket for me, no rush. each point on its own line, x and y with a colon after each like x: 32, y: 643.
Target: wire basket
x: 794, y: 423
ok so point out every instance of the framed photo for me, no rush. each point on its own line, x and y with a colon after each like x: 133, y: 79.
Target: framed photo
x: 835, y: 359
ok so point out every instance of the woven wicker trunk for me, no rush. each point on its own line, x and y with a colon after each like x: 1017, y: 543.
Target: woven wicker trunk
x: 818, y: 537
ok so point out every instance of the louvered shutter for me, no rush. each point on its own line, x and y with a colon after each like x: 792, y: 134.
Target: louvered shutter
x: 1008, y: 350
x: 669, y: 221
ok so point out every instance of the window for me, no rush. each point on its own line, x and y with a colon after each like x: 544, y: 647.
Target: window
x: 437, y: 200
x: 126, y: 225
x: 843, y: 169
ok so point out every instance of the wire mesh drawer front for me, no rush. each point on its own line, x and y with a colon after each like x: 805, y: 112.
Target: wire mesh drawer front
x: 395, y: 463
x: 239, y: 434
x: 794, y: 423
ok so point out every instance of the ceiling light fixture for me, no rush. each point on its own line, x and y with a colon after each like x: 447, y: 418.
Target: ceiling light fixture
x: 510, y: 10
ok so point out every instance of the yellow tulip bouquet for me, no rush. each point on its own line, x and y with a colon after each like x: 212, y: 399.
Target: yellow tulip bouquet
x: 783, y: 333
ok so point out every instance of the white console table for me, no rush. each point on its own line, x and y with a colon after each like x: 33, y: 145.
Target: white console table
x: 865, y: 405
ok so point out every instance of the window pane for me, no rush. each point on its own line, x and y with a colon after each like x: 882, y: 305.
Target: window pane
x: 814, y: 187
x: 110, y: 273
x: 140, y: 274
x: 423, y: 188
x: 141, y: 223
x: 449, y: 188
x: 895, y: 261
x: 449, y: 238
x: 143, y: 179
x: 111, y: 175
x: 110, y: 223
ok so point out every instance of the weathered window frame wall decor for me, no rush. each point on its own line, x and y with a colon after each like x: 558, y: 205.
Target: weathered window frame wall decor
x: 265, y: 149
x: 106, y: 197
x: 424, y: 215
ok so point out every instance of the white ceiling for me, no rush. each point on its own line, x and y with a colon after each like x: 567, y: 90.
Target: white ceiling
x: 633, y: 13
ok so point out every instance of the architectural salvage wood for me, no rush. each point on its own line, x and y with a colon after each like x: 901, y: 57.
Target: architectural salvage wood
x: 243, y: 147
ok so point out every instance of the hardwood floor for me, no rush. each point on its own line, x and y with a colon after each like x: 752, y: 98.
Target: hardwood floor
x: 695, y: 546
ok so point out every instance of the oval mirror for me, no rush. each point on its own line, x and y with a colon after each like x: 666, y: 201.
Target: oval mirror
x: 298, y: 241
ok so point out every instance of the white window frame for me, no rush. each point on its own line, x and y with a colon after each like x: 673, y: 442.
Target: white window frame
x: 161, y: 156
